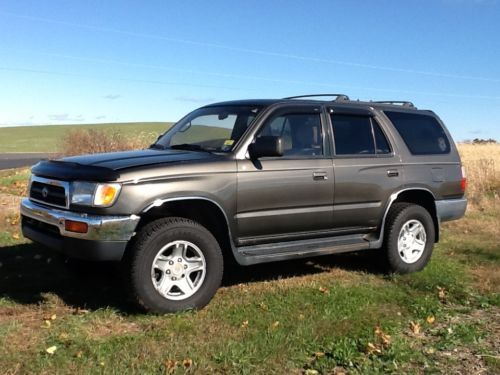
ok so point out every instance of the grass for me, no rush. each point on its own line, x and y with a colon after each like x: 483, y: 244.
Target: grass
x: 14, y: 181
x: 334, y: 314
x: 317, y: 314
x: 48, y: 138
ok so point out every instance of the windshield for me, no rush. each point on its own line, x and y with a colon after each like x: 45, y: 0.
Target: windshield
x: 214, y: 129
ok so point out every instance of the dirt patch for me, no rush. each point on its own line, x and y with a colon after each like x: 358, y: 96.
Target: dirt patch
x: 486, y: 279
x: 9, y: 204
x: 27, y: 325
x: 473, y: 359
x: 24, y: 314
x: 110, y: 327
x: 35, y: 314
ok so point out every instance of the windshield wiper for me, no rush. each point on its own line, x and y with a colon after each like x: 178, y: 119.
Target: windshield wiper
x: 157, y: 146
x: 189, y: 147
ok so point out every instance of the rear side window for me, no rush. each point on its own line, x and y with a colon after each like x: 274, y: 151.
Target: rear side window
x: 422, y: 134
x: 358, y: 135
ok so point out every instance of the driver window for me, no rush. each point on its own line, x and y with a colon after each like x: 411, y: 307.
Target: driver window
x: 301, y: 133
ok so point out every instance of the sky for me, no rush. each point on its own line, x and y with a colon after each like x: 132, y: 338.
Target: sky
x: 71, y: 62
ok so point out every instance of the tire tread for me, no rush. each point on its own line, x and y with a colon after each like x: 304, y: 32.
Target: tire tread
x: 137, y: 247
x: 392, y: 260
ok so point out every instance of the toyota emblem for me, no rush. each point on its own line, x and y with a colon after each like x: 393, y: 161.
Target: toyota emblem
x: 45, y: 192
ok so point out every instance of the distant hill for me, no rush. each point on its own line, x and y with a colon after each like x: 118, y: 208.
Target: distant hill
x: 47, y: 138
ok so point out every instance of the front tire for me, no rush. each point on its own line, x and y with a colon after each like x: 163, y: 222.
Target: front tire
x: 174, y: 264
x: 409, y: 238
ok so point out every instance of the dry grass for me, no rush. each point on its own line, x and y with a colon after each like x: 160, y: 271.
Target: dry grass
x: 92, y: 141
x: 482, y: 165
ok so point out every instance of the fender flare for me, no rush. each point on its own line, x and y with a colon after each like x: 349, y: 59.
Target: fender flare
x: 377, y: 243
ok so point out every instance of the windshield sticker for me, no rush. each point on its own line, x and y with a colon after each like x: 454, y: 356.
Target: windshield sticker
x: 228, y: 143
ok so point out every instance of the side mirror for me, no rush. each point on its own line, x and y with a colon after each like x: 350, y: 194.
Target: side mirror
x: 266, y: 146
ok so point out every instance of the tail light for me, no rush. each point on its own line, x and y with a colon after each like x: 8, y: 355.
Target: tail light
x: 463, y: 181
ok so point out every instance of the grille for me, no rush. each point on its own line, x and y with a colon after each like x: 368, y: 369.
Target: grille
x: 48, y: 193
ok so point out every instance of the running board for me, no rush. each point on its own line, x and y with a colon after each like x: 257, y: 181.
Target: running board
x: 300, y: 249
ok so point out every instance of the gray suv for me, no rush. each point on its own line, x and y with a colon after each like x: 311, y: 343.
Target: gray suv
x: 253, y: 181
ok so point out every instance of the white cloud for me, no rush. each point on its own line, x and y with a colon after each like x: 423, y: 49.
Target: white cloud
x: 65, y: 117
x: 112, y: 96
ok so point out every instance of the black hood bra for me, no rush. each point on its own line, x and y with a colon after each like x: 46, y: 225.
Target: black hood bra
x: 106, y: 167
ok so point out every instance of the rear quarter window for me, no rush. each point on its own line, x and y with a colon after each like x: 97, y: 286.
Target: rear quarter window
x: 423, y: 134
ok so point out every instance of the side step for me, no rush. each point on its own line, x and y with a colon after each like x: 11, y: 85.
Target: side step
x: 300, y: 249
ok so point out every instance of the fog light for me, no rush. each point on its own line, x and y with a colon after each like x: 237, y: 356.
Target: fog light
x: 76, y: 226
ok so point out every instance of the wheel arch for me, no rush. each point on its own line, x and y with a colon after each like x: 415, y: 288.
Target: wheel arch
x: 202, y: 210
x: 416, y: 195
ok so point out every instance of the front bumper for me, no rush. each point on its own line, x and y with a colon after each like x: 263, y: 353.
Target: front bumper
x: 451, y: 209
x: 106, y: 238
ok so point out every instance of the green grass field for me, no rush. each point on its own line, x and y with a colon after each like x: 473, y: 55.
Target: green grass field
x: 47, y: 138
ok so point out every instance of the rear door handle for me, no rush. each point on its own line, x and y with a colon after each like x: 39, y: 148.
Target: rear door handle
x: 321, y: 175
x: 392, y: 173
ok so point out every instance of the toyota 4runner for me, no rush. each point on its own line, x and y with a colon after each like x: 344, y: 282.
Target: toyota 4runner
x: 253, y: 181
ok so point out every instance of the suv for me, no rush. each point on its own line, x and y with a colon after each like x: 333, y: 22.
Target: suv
x: 253, y: 181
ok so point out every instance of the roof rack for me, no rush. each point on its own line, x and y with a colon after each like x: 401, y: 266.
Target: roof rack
x: 338, y: 97
x: 400, y: 102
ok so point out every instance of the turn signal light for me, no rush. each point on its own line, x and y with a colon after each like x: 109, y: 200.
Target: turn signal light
x: 76, y: 226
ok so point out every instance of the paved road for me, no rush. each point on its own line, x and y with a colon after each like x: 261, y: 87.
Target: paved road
x: 16, y: 160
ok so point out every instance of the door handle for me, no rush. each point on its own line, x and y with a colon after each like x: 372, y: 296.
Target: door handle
x: 392, y: 173
x: 320, y: 176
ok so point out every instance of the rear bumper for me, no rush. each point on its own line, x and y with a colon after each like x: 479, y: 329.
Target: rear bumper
x: 450, y: 209
x: 106, y: 238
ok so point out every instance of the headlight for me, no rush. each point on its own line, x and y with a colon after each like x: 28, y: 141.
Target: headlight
x: 93, y: 194
x: 82, y: 193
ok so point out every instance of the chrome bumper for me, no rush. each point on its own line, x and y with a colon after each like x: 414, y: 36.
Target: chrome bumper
x: 100, y: 228
x: 450, y: 209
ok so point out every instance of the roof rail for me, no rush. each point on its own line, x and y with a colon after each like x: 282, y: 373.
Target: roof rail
x: 400, y: 102
x: 338, y: 97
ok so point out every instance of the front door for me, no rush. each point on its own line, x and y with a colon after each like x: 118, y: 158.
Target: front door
x: 284, y: 198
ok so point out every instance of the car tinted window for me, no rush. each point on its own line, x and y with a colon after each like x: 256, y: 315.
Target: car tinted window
x: 381, y: 143
x: 423, y: 134
x: 353, y: 135
x: 301, y: 133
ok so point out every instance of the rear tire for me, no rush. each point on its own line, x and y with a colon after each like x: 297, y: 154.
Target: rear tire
x: 174, y: 264
x: 409, y: 238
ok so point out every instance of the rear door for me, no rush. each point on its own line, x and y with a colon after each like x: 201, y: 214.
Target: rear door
x: 367, y: 168
x: 281, y: 198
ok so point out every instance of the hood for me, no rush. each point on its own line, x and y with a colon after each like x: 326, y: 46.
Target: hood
x: 106, y: 167
x: 130, y: 159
